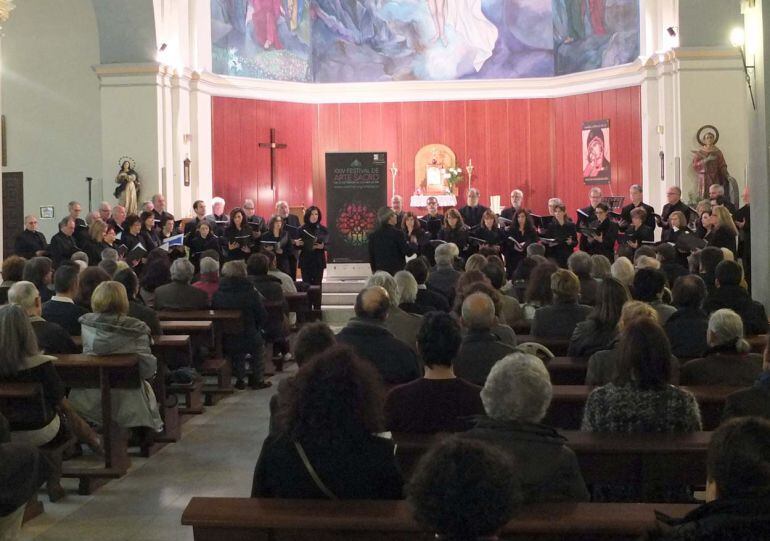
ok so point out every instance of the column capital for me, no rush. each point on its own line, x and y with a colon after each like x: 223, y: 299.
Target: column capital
x: 6, y: 6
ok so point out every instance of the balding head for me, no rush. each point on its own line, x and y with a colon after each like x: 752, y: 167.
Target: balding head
x: 478, y: 312
x: 372, y: 303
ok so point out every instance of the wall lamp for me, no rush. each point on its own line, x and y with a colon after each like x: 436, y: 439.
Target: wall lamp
x: 737, y: 39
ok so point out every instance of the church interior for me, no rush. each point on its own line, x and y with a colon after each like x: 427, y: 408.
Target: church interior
x: 368, y: 269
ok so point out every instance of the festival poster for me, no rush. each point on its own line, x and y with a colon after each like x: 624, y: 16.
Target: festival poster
x: 356, y: 187
x: 596, y: 152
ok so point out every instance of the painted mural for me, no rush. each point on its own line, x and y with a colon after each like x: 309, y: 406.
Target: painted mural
x: 396, y: 40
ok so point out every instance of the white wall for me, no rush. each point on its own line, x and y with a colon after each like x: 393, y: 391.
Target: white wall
x: 50, y: 100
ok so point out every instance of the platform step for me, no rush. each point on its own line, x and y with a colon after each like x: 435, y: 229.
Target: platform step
x: 343, y: 286
x: 337, y: 316
x: 339, y: 299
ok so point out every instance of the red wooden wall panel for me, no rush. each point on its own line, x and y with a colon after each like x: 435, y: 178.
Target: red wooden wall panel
x: 532, y: 144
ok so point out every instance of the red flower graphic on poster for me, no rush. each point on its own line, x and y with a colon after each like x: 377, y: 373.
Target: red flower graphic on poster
x: 355, y: 222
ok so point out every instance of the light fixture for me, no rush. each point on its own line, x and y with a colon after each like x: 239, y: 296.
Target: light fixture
x: 737, y: 39
x: 671, y: 31
x: 163, y: 47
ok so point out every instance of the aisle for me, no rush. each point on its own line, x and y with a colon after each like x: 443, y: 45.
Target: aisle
x: 215, y: 457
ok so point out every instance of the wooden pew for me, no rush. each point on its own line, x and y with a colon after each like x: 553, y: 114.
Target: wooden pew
x: 104, y: 373
x: 639, y: 459
x: 201, y: 333
x: 558, y: 346
x: 566, y: 411
x: 299, y: 303
x: 567, y: 370
x: 241, y: 519
x: 757, y: 342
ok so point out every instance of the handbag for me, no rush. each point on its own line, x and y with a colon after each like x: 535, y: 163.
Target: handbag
x: 313, y: 474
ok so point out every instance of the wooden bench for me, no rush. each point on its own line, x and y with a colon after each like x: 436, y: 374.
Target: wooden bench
x: 557, y: 346
x: 201, y: 333
x: 299, y: 303
x: 634, y: 459
x: 567, y: 370
x: 241, y: 519
x: 566, y: 410
x: 104, y: 373
x: 757, y: 342
x: 20, y: 402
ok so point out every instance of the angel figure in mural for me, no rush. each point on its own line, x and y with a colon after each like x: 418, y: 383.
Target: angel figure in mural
x: 128, y: 188
x: 264, y: 21
x: 709, y: 162
x: 467, y: 19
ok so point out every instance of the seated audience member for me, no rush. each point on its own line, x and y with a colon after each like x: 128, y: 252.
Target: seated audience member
x: 710, y: 257
x: 39, y: 271
x: 154, y: 274
x: 30, y: 242
x: 79, y: 258
x: 22, y: 362
x: 648, y: 287
x: 61, y: 309
x: 754, y: 401
x: 538, y: 292
x: 287, y: 283
x: 371, y: 340
x: 439, y: 401
x: 51, y: 337
x: 519, y: 280
x: 312, y: 339
x: 13, y: 271
x: 237, y: 293
x: 687, y: 327
x: 180, y: 294
x: 88, y: 280
x: 480, y: 348
x: 600, y: 267
x: 276, y: 328
x: 603, y: 365
x: 444, y: 276
x: 475, y: 262
x: 109, y: 330
x: 623, y: 270
x: 208, y: 281
x: 670, y: 264
x: 63, y: 243
x: 407, y: 294
x: 729, y: 360
x: 642, y: 399
x: 580, y: 263
x: 501, y: 331
x: 510, y: 310
x: 738, y: 470
x: 23, y: 469
x: 729, y: 294
x: 403, y: 325
x: 560, y: 319
x: 110, y: 254
x: 109, y: 266
x: 516, y: 397
x: 136, y: 308
x: 646, y: 262
x: 600, y: 328
x: 327, y: 447
x: 463, y: 489
x: 426, y: 297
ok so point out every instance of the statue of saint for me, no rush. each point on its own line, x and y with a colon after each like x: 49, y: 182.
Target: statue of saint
x: 709, y: 163
x: 128, y: 188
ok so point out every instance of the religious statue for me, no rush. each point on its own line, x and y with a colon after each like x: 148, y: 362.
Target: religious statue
x: 431, y: 164
x: 128, y: 188
x: 709, y: 162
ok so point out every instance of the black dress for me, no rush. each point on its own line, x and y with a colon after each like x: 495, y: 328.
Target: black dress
x: 606, y: 247
x: 312, y: 261
x: 492, y: 237
x: 721, y: 237
x: 150, y: 239
x: 458, y: 235
x: 242, y: 237
x: 283, y: 242
x: 644, y: 233
x: 671, y: 235
x: 585, y: 217
x: 292, y: 227
x: 515, y: 253
x: 560, y: 251
x: 198, y: 245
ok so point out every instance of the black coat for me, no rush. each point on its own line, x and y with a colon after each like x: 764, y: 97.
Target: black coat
x: 198, y: 245
x: 719, y: 520
x: 558, y: 320
x: 62, y: 247
x: 22, y: 471
x: 312, y: 261
x: 433, y: 299
x: 561, y: 251
x: 585, y: 217
x: 472, y: 215
x: 588, y: 338
x: 478, y: 353
x: 649, y: 221
x: 52, y: 338
x: 64, y: 314
x: 242, y: 237
x: 239, y: 294
x: 721, y: 237
x: 668, y: 208
x: 686, y: 330
x: 28, y: 242
x: 738, y: 300
x: 606, y: 247
x: 513, y: 255
x: 459, y: 236
x: 388, y: 249
x: 432, y: 224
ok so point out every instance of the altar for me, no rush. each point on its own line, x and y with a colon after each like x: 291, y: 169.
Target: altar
x: 444, y: 200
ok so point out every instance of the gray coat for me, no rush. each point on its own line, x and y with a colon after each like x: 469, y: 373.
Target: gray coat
x: 109, y: 334
x: 403, y: 325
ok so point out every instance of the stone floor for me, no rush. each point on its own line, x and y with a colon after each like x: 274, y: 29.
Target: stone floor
x: 215, y: 457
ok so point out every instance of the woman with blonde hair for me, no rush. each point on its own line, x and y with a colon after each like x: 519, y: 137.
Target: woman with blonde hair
x: 724, y: 232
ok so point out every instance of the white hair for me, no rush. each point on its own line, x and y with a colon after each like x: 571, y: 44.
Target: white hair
x: 234, y: 269
x: 398, y: 197
x: 552, y: 202
x: 517, y: 192
x: 216, y: 200
x: 23, y: 294
x: 623, y: 270
x: 594, y: 190
x: 726, y: 326
x: 443, y: 254
x: 717, y: 188
x: 646, y: 262
x: 518, y: 388
x: 407, y: 286
x: 182, y: 270
x: 104, y: 205
x: 474, y: 191
x: 385, y: 281
x: 208, y: 265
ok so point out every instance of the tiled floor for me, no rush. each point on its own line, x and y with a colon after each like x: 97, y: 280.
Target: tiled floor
x: 215, y: 457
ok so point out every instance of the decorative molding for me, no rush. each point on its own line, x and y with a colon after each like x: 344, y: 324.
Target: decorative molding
x: 6, y: 6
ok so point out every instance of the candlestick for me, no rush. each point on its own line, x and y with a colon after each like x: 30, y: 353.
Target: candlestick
x: 394, y: 172
x: 469, y: 168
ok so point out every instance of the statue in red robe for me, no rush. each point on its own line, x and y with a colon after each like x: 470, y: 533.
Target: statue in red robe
x: 264, y: 20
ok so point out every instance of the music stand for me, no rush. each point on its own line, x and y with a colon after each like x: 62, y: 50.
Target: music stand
x: 614, y: 202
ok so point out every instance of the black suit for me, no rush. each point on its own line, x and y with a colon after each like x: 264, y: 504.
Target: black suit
x: 668, y: 208
x: 472, y: 215
x: 65, y: 314
x: 388, y: 249
x: 606, y: 247
x: 432, y: 224
x: 62, y: 247
x: 649, y: 221
x: 28, y: 243
x: 192, y: 226
x: 52, y: 338
x: 509, y: 213
x: 585, y: 221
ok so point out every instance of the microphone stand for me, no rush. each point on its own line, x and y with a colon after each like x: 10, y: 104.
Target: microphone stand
x: 89, y: 180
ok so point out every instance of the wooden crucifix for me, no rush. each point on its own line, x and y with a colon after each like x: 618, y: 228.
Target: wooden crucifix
x: 273, y: 146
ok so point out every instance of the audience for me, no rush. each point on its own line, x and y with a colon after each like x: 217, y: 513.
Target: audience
x: 501, y: 331
x: 754, y: 401
x: 179, y: 294
x: 327, y: 447
x: 729, y: 294
x: 154, y: 274
x: 600, y: 267
x: 136, y: 308
x: 39, y: 271
x: 109, y: 330
x: 237, y: 293
x: 510, y: 309
x: 648, y: 287
x: 61, y: 309
x: 475, y: 263
x: 687, y: 327
x: 623, y: 271
x: 287, y: 283
x: 208, y: 281
x: 670, y: 264
x: 516, y: 397
x: 709, y: 258
x: 426, y: 297
x: 538, y: 292
x: 407, y: 294
x: 580, y: 263
x: 729, y: 360
x: 13, y: 271
x: 276, y: 328
x: 600, y: 328
x: 88, y: 280
x: 51, y: 338
x: 464, y: 490
x: 444, y: 276
x: 560, y: 319
x: 402, y: 325
x: 367, y: 334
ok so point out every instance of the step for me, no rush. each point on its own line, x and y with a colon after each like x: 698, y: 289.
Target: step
x: 343, y: 286
x: 338, y: 299
x: 337, y: 316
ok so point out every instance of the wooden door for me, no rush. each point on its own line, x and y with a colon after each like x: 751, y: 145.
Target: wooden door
x: 13, y: 209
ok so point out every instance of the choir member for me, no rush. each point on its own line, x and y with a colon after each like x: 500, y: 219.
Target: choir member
x: 674, y: 195
x: 473, y: 211
x: 277, y: 240
x: 105, y: 211
x: 81, y: 227
x: 159, y: 210
x: 149, y: 234
x: 677, y: 228
x: 218, y: 216
x: 488, y: 232
x: 315, y: 237
x: 63, y: 243
x: 191, y: 227
x: 724, y: 233
x: 201, y: 240
x: 635, y: 192
x: 603, y: 240
x: 238, y: 236
x: 638, y: 231
x: 432, y: 221
x: 519, y: 235
x: 30, y: 242
x: 704, y: 226
x: 292, y: 226
x: 132, y: 234
x: 552, y: 204
x: 454, y: 230
x: 415, y: 234
x: 564, y: 235
x: 388, y: 245
x: 587, y: 215
x: 517, y: 199
x: 257, y: 223
x: 717, y: 197
x: 118, y: 217
x: 397, y: 204
x: 167, y: 228
x: 98, y: 240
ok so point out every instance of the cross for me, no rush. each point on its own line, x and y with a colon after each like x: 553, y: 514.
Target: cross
x: 272, y: 145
